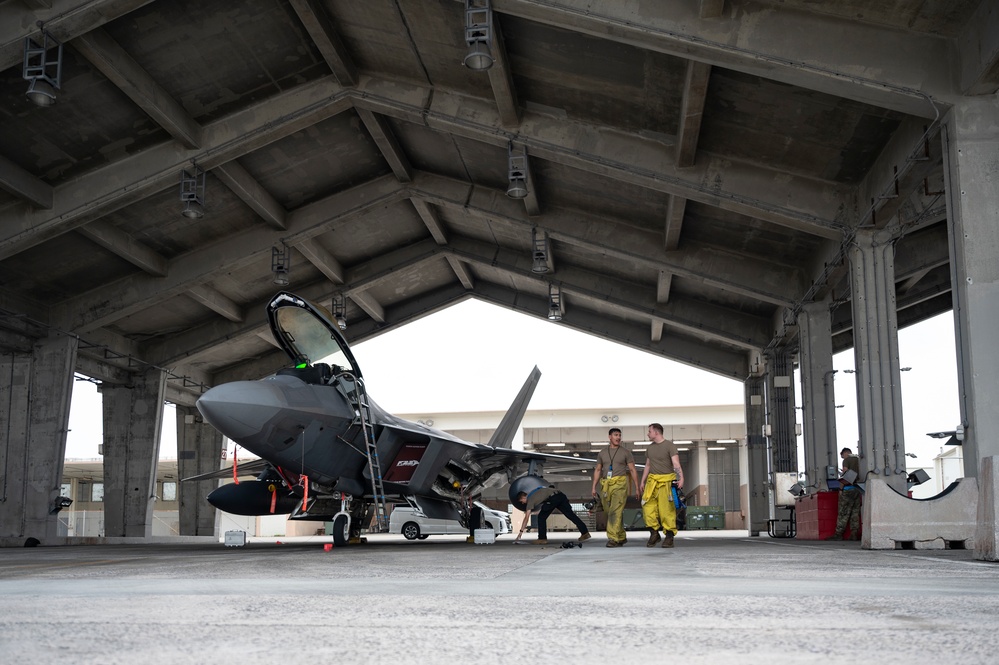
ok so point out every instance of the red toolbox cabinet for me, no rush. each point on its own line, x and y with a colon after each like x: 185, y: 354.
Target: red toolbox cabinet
x: 815, y: 515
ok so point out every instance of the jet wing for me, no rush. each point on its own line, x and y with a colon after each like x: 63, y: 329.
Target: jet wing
x: 250, y: 468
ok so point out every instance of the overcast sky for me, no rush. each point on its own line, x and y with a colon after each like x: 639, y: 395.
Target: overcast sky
x: 475, y: 356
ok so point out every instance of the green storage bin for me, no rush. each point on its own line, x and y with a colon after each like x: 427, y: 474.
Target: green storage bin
x: 714, y: 520
x: 695, y: 520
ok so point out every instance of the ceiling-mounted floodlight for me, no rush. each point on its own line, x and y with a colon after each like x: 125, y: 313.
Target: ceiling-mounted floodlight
x: 516, y: 172
x: 478, y: 35
x: 192, y: 192
x: 541, y: 252
x: 44, y: 75
x: 340, y: 311
x: 281, y: 263
x: 554, y: 303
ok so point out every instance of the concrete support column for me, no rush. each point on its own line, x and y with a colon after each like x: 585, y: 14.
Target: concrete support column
x: 780, y: 410
x: 971, y: 164
x: 133, y: 419
x: 817, y: 396
x: 35, y: 394
x: 875, y: 338
x: 701, y: 479
x: 199, y: 450
x: 757, y: 500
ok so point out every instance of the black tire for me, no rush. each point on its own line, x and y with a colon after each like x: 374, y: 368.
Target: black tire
x: 411, y: 530
x: 424, y: 536
x: 341, y: 531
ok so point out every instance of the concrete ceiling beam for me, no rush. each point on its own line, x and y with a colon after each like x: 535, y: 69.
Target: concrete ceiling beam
x: 137, y: 292
x: 715, y: 358
x: 252, y: 193
x: 371, y: 307
x: 805, y: 204
x: 116, y: 185
x: 322, y: 259
x: 748, y: 276
x: 381, y: 133
x: 216, y: 301
x: 34, y: 191
x: 912, y: 154
x: 64, y: 19
x: 197, y: 344
x: 501, y: 81
x: 695, y: 92
x: 118, y: 242
x: 631, y: 299
x: 110, y: 59
x: 978, y: 51
x: 317, y: 23
x: 868, y: 63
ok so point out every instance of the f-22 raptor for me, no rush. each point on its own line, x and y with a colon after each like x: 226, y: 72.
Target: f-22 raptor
x: 328, y: 452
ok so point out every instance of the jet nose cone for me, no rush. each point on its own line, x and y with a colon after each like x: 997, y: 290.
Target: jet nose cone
x: 241, y: 410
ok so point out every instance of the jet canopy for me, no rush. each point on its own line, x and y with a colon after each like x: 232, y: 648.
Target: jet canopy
x: 308, y: 333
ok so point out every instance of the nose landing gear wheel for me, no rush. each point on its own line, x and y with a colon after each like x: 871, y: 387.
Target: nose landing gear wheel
x: 341, y: 530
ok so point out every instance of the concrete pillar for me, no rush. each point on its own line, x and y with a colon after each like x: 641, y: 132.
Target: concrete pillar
x: 199, y: 450
x: 133, y: 419
x: 817, y: 395
x: 780, y: 410
x: 757, y: 500
x: 35, y: 394
x: 875, y: 339
x: 971, y: 162
x: 701, y: 469
x: 987, y: 518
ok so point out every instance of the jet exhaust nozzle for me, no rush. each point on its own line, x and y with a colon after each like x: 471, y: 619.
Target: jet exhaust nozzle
x: 535, y: 487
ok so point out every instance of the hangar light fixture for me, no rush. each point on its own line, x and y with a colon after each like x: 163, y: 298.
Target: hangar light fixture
x: 478, y: 35
x: 192, y: 192
x: 340, y: 311
x: 541, y: 252
x: 516, y: 172
x: 281, y: 263
x: 554, y: 303
x: 44, y: 75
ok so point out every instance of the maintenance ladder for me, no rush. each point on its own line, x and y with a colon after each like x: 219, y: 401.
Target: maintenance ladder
x: 362, y: 420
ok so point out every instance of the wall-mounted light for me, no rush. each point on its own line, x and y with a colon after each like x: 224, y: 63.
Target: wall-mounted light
x: 192, y: 192
x: 541, y: 252
x: 43, y: 73
x: 281, y: 263
x: 478, y: 35
x: 516, y: 162
x: 60, y: 503
x: 340, y: 311
x: 554, y: 303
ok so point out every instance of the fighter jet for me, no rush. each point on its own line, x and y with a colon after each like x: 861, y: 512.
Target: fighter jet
x: 328, y: 452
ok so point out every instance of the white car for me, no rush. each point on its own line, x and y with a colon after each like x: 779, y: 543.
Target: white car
x: 413, y: 524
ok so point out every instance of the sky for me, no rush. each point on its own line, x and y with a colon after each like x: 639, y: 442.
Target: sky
x: 475, y: 356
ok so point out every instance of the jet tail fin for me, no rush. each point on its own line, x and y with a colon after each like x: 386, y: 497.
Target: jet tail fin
x: 503, y: 436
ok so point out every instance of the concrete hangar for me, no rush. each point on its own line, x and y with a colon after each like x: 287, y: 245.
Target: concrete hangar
x: 745, y: 187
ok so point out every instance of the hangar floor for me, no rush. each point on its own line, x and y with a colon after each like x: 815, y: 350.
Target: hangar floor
x: 710, y: 600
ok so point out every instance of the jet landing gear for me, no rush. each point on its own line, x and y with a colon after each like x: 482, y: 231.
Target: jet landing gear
x: 341, y: 529
x: 347, y: 523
